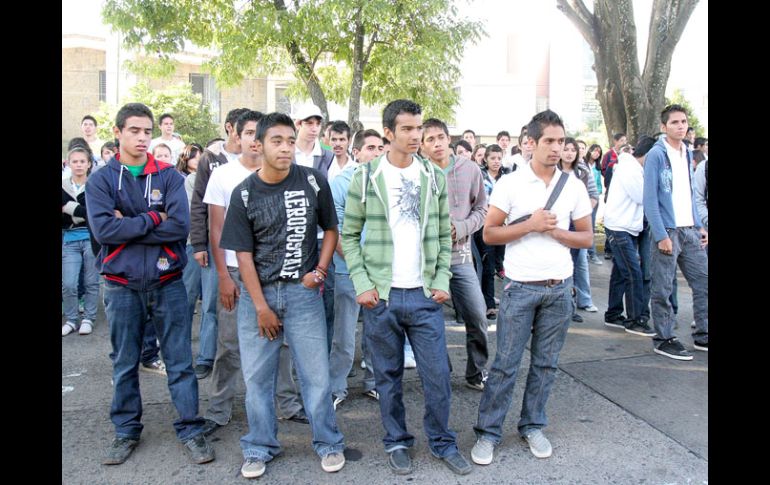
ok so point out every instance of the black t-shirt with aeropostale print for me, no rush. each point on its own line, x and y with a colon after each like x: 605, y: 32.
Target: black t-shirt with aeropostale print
x: 277, y: 222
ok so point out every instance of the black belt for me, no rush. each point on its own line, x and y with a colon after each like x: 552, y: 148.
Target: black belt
x: 546, y: 283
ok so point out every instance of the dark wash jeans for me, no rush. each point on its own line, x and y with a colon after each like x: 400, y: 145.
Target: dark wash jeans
x: 410, y: 312
x: 544, y: 313
x: 627, y: 278
x: 127, y: 312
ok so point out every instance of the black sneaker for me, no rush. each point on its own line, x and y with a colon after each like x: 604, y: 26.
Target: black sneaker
x: 640, y: 328
x: 492, y: 314
x: 702, y: 344
x: 673, y: 349
x: 119, y: 451
x: 457, y: 463
x: 400, y: 461
x: 199, y: 449
x: 615, y: 322
x: 577, y: 318
x: 202, y: 371
x: 210, y: 426
x: 607, y: 255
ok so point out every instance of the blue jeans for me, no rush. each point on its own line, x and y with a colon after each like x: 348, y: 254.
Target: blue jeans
x: 328, y: 298
x: 300, y: 309
x: 191, y: 277
x: 627, y: 278
x: 207, y: 344
x: 487, y: 279
x: 469, y: 302
x: 127, y: 312
x: 693, y: 262
x: 592, y: 249
x: 77, y: 255
x: 544, y: 313
x: 150, y: 347
x: 346, y: 311
x: 581, y: 277
x: 410, y: 312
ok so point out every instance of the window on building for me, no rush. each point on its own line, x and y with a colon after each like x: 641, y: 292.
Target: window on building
x: 206, y: 86
x: 282, y: 102
x: 103, y: 86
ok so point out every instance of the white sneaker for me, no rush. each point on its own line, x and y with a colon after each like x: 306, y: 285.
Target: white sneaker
x: 409, y: 362
x: 333, y: 462
x: 86, y: 327
x: 692, y: 324
x: 538, y: 444
x: 363, y: 364
x: 590, y: 309
x: 482, y: 452
x: 67, y: 329
x: 252, y: 468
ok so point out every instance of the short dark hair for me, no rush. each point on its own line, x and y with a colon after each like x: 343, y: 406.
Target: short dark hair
x: 643, y: 145
x: 109, y: 146
x: 233, y: 115
x: 469, y: 131
x: 436, y: 123
x: 618, y: 136
x: 700, y: 141
x: 244, y: 118
x: 213, y: 140
x: 385, y: 141
x: 273, y: 119
x: 132, y: 109
x: 88, y: 117
x: 395, y: 108
x: 538, y: 123
x: 671, y: 108
x: 502, y: 134
x: 689, y: 128
x: 164, y: 116
x: 78, y: 141
x: 494, y: 147
x: 361, y: 136
x: 464, y: 144
x: 341, y: 127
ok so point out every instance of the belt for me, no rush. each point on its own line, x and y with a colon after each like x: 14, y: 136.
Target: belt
x: 546, y: 283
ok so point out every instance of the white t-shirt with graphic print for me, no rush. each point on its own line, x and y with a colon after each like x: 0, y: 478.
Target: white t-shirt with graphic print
x: 404, y: 194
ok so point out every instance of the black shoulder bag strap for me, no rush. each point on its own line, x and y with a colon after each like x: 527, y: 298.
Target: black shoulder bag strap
x: 551, y: 200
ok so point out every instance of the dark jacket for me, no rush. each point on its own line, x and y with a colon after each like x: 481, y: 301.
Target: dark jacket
x: 199, y: 212
x: 323, y: 161
x: 139, y: 250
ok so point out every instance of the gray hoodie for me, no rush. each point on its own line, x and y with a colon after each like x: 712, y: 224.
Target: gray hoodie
x: 467, y: 205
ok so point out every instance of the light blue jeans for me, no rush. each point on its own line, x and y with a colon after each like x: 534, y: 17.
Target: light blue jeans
x: 207, y: 345
x: 74, y: 255
x: 300, y: 310
x: 344, y: 337
x: 525, y: 310
x: 581, y: 277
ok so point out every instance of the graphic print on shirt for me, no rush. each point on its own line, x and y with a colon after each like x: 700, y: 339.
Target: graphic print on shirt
x: 296, y: 205
x: 408, y: 201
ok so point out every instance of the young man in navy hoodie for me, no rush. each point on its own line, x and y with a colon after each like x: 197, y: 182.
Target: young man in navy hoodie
x: 138, y: 212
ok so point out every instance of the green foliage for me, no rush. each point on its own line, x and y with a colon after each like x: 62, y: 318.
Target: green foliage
x: 678, y: 98
x: 192, y: 119
x: 411, y: 48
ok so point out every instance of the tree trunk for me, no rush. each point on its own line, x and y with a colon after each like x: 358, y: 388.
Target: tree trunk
x: 357, y: 83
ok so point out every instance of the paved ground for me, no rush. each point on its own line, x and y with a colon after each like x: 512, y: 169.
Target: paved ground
x: 617, y: 414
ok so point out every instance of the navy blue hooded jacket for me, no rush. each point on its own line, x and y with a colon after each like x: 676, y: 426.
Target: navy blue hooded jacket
x: 139, y: 250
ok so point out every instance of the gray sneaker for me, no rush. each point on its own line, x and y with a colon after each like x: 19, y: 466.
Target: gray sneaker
x: 199, y: 449
x: 538, y: 443
x: 119, y: 451
x: 640, y: 328
x: 482, y: 452
x: 333, y: 462
x: 252, y: 468
x: 457, y: 463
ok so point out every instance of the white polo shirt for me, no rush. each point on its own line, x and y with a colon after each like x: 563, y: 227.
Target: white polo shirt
x: 307, y: 160
x: 538, y: 256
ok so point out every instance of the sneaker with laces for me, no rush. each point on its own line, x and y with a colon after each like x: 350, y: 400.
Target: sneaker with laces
x: 333, y: 462
x: 373, y: 394
x: 156, y: 367
x: 119, y: 451
x: 673, y: 349
x: 483, y: 452
x: 253, y: 468
x: 615, y: 322
x: 590, y: 309
x: 538, y: 443
x: 702, y: 344
x: 400, y: 462
x: 577, y: 318
x: 199, y: 449
x: 640, y: 328
x: 86, y: 327
x: 68, y: 328
x: 478, y: 384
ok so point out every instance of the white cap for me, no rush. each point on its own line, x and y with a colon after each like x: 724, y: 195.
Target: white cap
x: 308, y: 111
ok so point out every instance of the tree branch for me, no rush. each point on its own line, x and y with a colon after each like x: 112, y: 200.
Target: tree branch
x: 578, y: 14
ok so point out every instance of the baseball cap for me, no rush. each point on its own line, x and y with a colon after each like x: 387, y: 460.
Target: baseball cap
x: 308, y: 111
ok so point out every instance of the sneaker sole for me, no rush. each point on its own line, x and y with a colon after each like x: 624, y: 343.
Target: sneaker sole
x: 333, y: 468
x: 201, y: 461
x: 399, y: 471
x: 704, y: 349
x: 673, y: 356
x: 637, y: 332
x: 255, y: 474
x: 475, y: 387
x: 614, y: 325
